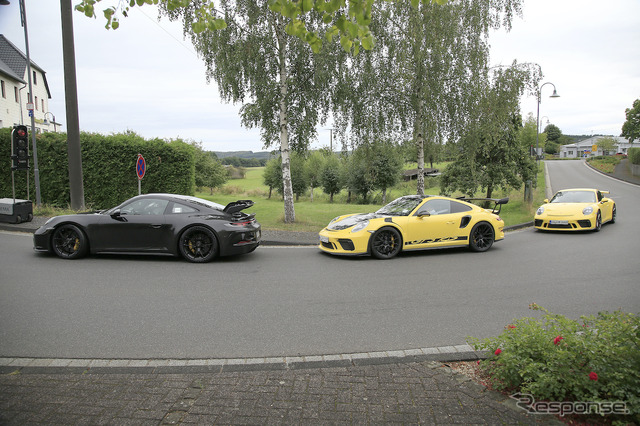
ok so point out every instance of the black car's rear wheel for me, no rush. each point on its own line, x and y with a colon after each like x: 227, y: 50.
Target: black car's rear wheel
x: 198, y: 244
x: 69, y: 242
x: 386, y: 243
x: 481, y: 237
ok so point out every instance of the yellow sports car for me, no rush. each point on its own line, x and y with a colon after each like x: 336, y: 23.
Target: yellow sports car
x: 577, y: 209
x: 415, y: 223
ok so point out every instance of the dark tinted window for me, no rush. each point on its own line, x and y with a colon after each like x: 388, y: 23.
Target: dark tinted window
x: 459, y: 207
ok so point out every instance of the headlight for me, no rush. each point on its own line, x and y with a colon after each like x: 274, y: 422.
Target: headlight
x: 540, y: 210
x: 587, y: 211
x: 360, y: 226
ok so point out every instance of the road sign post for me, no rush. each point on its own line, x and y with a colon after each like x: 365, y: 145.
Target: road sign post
x: 141, y: 168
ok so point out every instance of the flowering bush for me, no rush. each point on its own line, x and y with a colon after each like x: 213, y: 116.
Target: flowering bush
x: 596, y: 358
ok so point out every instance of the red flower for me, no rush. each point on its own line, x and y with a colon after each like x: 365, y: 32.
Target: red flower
x: 593, y: 376
x: 478, y: 362
x: 511, y: 326
x: 556, y: 341
x: 498, y: 351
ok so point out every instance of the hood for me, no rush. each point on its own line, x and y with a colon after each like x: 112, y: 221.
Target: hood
x: 351, y: 220
x: 565, y: 209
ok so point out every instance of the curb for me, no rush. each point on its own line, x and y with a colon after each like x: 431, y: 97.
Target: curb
x: 184, y: 366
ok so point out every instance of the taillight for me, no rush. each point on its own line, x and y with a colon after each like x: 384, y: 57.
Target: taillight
x: 243, y: 223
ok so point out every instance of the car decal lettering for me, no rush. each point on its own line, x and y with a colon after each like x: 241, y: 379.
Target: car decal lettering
x: 434, y: 240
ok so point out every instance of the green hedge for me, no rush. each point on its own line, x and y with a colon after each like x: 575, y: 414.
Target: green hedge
x: 108, y: 166
x: 634, y: 155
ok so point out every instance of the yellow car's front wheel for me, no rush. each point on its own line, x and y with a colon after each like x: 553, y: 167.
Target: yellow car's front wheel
x: 386, y: 243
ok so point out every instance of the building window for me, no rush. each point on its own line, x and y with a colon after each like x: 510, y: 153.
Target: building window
x: 4, y: 94
x: 35, y: 80
x: 17, y: 93
x: 36, y: 103
x: 43, y: 105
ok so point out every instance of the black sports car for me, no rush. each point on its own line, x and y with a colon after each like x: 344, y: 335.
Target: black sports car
x: 196, y: 229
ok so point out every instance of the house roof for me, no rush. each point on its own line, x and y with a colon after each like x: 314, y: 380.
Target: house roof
x: 13, y: 63
x: 594, y: 141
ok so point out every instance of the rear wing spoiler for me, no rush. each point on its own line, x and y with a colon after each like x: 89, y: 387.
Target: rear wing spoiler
x: 236, y: 206
x: 497, y: 206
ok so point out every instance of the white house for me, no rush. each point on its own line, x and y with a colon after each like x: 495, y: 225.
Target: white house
x: 584, y: 148
x: 14, y: 91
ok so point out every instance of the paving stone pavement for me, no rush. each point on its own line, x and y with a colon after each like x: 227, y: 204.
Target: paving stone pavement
x: 406, y: 393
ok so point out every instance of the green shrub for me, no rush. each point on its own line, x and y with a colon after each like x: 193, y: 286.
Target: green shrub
x: 634, y: 155
x: 595, y: 359
x: 108, y: 166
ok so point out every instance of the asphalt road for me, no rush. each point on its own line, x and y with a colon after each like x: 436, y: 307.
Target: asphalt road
x: 298, y: 301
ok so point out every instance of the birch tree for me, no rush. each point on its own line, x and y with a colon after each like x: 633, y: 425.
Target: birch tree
x: 423, y: 75
x: 280, y: 82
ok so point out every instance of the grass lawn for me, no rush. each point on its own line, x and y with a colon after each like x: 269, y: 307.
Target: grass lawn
x: 313, y: 216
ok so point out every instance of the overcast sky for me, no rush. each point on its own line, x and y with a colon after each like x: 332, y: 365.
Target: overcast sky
x: 145, y: 77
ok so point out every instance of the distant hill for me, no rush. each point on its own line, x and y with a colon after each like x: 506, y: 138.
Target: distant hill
x: 244, y: 154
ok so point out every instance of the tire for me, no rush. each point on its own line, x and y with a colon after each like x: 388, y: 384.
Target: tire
x: 613, y: 214
x: 598, y: 222
x: 386, y: 243
x: 69, y: 242
x: 198, y: 245
x: 18, y: 219
x: 481, y: 237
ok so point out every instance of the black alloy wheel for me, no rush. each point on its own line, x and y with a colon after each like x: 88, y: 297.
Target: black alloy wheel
x: 386, y: 243
x: 598, y: 222
x: 481, y: 237
x: 69, y: 242
x: 613, y: 214
x: 198, y: 244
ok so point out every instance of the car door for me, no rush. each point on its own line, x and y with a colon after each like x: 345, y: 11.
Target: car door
x: 137, y: 226
x: 437, y: 223
x: 606, y: 207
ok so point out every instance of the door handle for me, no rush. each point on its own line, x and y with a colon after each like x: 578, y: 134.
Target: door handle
x: 156, y: 226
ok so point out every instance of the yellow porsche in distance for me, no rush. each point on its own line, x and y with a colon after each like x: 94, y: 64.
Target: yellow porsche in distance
x: 415, y: 222
x: 578, y: 209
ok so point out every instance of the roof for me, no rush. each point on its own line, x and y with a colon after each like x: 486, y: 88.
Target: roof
x: 13, y: 63
x: 594, y: 141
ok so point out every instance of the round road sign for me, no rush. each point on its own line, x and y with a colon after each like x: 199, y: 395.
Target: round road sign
x: 141, y: 167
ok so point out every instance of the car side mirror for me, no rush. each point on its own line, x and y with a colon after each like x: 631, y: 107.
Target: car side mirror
x: 546, y: 201
x: 423, y: 214
x: 117, y: 215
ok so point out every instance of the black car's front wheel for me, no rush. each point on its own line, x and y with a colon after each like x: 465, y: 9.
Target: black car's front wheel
x: 69, y: 242
x: 481, y: 237
x: 198, y: 244
x: 386, y: 243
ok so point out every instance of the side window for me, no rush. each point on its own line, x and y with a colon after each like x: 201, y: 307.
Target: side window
x: 146, y: 206
x: 435, y: 207
x: 181, y: 208
x: 600, y: 196
x: 459, y: 207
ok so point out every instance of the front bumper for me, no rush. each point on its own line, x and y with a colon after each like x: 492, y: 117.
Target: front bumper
x: 546, y: 223
x: 344, y: 242
x: 42, y: 239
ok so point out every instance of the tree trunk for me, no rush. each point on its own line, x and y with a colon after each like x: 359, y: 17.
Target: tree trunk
x: 312, y: 193
x: 384, y: 196
x: 419, y: 126
x: 289, y: 211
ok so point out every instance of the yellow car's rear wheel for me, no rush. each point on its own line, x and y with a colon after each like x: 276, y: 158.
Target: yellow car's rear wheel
x: 386, y: 243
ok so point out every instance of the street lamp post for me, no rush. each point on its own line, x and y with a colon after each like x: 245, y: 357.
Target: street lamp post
x: 46, y: 123
x: 36, y: 171
x: 554, y: 95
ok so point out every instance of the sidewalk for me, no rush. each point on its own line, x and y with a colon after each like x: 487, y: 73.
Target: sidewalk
x: 408, y: 393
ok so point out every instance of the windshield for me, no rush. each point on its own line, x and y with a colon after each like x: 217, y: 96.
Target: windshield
x: 574, y: 197
x: 400, y: 207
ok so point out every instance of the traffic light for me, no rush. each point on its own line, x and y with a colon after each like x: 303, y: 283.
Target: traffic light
x: 20, y: 148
